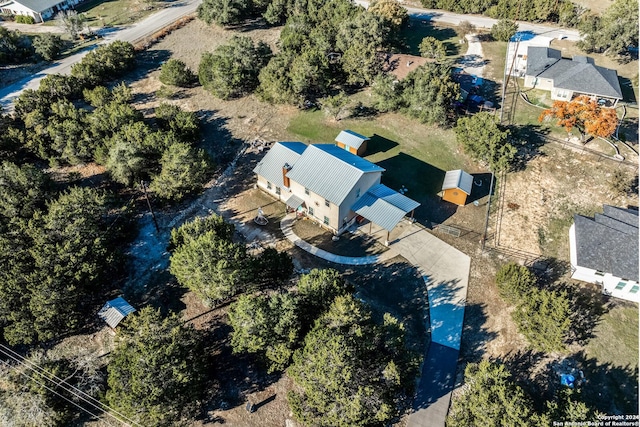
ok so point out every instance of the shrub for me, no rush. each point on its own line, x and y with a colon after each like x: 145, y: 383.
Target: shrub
x: 48, y: 45
x: 176, y: 73
x: 504, y: 30
x: 25, y: 19
x: 514, y: 281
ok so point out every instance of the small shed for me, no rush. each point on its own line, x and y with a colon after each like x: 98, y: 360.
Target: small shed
x: 114, y: 311
x: 457, y: 186
x: 352, y: 142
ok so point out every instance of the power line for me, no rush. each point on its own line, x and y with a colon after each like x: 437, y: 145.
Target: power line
x: 66, y: 386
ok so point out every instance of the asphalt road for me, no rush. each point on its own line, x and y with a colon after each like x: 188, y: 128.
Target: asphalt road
x: 180, y: 8
x: 132, y: 33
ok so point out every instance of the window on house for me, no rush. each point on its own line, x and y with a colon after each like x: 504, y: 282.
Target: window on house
x: 306, y: 191
x: 310, y: 211
x: 326, y: 220
x: 358, y: 192
x: 269, y: 186
x: 599, y: 273
x: 620, y: 285
x: 327, y: 203
x: 634, y: 289
x: 278, y: 191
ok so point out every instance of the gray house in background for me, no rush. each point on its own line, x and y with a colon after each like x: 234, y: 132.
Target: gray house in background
x: 569, y: 78
x: 40, y: 10
x: 604, y: 250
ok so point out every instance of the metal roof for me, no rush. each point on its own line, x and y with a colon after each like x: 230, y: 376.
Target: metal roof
x: 603, y: 245
x: 330, y: 171
x: 458, y: 179
x: 114, y: 311
x: 351, y: 139
x: 36, y: 5
x: 294, y: 201
x: 577, y: 74
x: 270, y: 167
x: 384, y: 206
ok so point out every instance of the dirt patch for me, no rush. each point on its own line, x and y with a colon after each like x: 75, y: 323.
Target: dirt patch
x: 537, y: 204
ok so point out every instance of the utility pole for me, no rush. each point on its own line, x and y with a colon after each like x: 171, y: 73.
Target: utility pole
x: 486, y: 221
x: 146, y: 196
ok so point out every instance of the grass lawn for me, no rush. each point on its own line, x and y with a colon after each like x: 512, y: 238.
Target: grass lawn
x: 418, y: 29
x: 611, y: 365
x: 414, y: 155
x: 115, y: 12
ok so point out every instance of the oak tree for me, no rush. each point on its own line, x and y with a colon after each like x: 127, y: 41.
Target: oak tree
x: 584, y: 114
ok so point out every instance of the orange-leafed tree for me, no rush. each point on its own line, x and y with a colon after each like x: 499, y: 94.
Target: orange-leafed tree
x: 585, y: 115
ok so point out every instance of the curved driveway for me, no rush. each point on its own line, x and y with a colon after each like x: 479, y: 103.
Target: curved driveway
x: 445, y: 271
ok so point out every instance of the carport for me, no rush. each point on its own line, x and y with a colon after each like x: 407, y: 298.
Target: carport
x: 385, y: 207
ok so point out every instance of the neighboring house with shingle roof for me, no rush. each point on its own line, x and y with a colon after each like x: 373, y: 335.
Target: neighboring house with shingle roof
x: 40, y: 10
x: 569, y: 78
x: 325, y: 182
x: 604, y: 250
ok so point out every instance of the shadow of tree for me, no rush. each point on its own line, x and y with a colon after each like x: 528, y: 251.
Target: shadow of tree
x: 528, y: 140
x: 475, y: 335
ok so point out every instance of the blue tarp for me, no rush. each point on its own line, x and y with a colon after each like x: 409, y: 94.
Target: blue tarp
x: 567, y: 379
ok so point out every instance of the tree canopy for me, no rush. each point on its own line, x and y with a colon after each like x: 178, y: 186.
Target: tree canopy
x: 485, y: 140
x: 156, y: 370
x: 350, y: 369
x: 584, y: 114
x: 176, y: 73
x: 614, y: 33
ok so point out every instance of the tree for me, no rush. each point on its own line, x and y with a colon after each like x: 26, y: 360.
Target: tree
x: 184, y: 124
x: 464, y: 28
x: 127, y: 163
x: 614, y: 33
x: 387, y: 93
x: 211, y: 267
x: 503, y: 30
x: 490, y: 398
x: 23, y: 190
x: 275, y: 80
x: 105, y: 63
x: 485, y: 140
x: 267, y: 325
x: 176, y: 73
x: 71, y: 22
x: 223, y: 12
x: 430, y: 47
x: 201, y: 225
x: 14, y: 46
x: 335, y: 105
x: 428, y: 94
x: 232, y: 69
x: 584, y: 114
x: 317, y: 290
x: 271, y: 268
x: 544, y: 318
x: 391, y: 10
x: 156, y: 370
x: 350, y: 370
x: 361, y: 41
x: 514, y: 281
x: 184, y: 170
x: 48, y: 45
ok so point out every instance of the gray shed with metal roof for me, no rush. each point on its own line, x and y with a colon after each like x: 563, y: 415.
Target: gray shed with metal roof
x: 114, y: 311
x: 352, y: 142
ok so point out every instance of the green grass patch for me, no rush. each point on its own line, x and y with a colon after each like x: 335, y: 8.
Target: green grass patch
x: 554, y: 237
x: 413, y: 155
x: 611, y: 362
x: 115, y: 12
x: 417, y: 30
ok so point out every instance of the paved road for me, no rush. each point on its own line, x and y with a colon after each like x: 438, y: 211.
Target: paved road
x: 485, y: 22
x: 132, y: 34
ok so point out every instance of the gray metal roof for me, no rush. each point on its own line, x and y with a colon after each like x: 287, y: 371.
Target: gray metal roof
x: 603, y: 246
x: 458, y: 179
x: 351, y: 139
x: 115, y: 310
x: 579, y: 74
x: 330, y: 171
x: 270, y: 167
x: 38, y: 5
x: 294, y: 201
x: 384, y: 206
